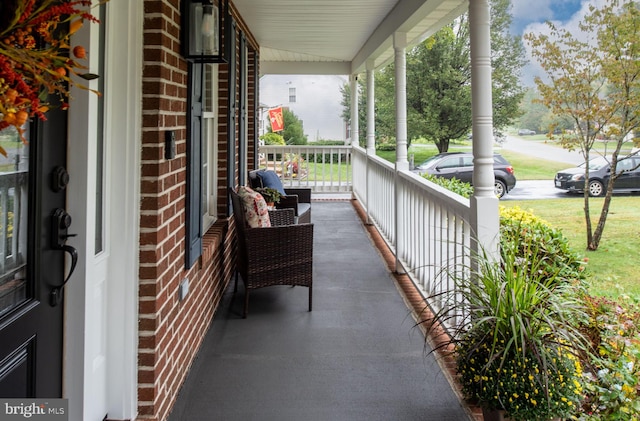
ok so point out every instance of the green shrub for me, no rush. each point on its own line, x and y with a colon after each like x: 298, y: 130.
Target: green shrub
x: 326, y: 142
x: 452, y: 184
x: 613, y: 382
x: 272, y: 139
x: 386, y: 146
x: 610, y: 371
x: 532, y: 238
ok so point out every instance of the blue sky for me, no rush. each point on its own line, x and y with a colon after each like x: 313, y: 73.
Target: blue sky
x: 526, y: 12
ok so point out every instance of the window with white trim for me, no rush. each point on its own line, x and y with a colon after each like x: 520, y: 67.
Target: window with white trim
x: 209, y: 146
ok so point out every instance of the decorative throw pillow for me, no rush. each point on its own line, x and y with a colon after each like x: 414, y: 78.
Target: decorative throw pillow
x: 255, y: 208
x: 270, y: 179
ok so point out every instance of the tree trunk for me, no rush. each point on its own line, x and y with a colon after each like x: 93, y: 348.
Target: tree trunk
x: 604, y: 212
x: 587, y: 216
x: 443, y: 145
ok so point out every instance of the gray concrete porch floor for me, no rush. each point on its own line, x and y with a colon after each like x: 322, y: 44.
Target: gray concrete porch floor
x: 356, y: 356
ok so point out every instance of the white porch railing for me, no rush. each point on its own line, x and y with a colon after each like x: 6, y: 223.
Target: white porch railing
x: 426, y: 226
x: 324, y: 169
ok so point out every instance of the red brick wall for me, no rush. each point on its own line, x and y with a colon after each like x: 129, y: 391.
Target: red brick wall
x: 171, y: 331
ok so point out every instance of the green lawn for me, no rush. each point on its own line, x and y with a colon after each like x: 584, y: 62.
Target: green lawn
x: 422, y: 151
x: 328, y: 172
x: 613, y: 269
x: 529, y: 168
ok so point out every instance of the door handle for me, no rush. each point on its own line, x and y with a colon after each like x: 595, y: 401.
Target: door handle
x: 60, y: 223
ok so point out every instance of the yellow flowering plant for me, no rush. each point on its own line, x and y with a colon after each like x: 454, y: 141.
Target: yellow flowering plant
x: 525, y: 386
x: 523, y: 233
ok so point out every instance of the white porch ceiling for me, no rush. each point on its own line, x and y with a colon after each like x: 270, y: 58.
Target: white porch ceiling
x: 339, y: 36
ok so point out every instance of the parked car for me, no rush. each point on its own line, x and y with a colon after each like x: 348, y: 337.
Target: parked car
x: 525, y: 132
x: 572, y: 179
x: 460, y: 165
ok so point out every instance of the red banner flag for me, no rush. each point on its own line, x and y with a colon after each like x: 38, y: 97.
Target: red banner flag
x: 277, y: 119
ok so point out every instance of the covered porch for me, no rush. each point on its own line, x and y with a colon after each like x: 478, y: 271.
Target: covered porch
x: 357, y: 356
x: 356, y: 38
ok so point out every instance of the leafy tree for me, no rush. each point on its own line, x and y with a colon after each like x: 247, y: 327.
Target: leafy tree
x: 533, y: 111
x: 385, y: 82
x: 537, y: 116
x: 507, y: 60
x: 272, y: 138
x: 293, y: 132
x: 385, y: 117
x: 362, y: 107
x: 439, y: 83
x: 439, y: 101
x: 595, y: 82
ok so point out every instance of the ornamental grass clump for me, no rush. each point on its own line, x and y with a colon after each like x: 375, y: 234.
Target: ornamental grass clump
x: 517, y: 338
x: 518, y: 347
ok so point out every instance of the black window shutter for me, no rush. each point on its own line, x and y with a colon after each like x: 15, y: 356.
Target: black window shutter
x: 256, y: 113
x: 194, y: 165
x: 230, y: 35
x: 242, y: 167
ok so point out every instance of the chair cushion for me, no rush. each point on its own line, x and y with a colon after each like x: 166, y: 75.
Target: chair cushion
x: 302, y: 209
x: 270, y: 179
x: 255, y: 208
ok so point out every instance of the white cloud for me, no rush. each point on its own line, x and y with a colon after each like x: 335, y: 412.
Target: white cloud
x: 317, y: 103
x: 533, y: 69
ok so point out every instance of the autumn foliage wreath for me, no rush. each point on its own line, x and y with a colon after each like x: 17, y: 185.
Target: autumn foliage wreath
x: 36, y: 58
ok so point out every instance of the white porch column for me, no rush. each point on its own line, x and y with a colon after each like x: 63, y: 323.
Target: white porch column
x: 402, y: 164
x: 399, y: 46
x: 485, y: 218
x: 371, y: 110
x: 355, y: 130
x: 371, y: 128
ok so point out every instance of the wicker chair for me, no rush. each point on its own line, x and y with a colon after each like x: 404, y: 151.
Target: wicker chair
x: 278, y: 255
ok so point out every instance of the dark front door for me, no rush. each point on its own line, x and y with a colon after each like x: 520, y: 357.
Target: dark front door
x: 32, y: 201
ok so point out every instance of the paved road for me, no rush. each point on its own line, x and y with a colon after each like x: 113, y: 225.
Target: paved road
x: 542, y: 150
x: 540, y: 189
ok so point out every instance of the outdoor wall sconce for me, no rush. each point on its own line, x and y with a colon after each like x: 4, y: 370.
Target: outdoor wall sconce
x: 202, y: 21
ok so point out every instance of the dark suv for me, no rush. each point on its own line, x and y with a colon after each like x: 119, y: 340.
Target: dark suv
x: 572, y: 179
x: 460, y: 165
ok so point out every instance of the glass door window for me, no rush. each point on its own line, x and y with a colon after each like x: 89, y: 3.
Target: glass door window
x: 14, y: 177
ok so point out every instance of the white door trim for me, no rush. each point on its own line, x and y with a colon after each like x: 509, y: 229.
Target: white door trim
x: 101, y: 303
